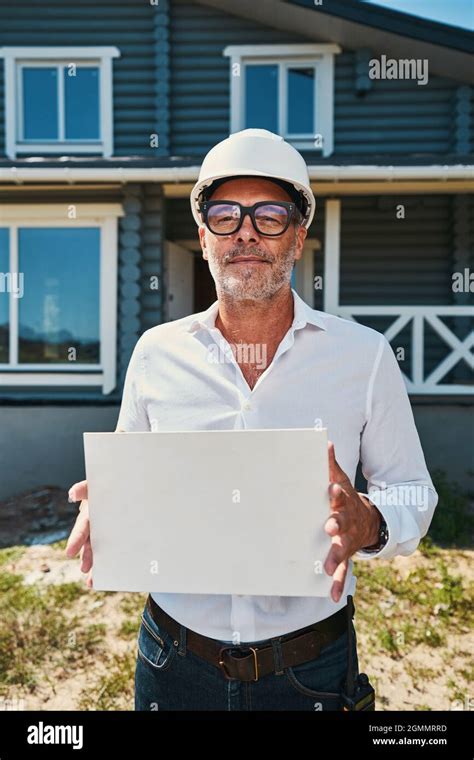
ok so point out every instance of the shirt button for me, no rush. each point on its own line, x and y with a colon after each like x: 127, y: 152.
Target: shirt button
x: 247, y: 406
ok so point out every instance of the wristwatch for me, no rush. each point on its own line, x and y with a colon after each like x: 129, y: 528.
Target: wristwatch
x: 382, y: 537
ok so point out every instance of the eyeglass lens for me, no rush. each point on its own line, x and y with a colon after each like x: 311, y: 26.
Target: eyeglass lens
x: 270, y: 219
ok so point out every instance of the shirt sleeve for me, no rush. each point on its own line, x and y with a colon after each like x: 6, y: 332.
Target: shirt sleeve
x: 392, y: 460
x: 133, y: 416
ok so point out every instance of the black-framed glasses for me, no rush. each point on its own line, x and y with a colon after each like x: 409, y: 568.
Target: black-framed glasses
x: 268, y: 217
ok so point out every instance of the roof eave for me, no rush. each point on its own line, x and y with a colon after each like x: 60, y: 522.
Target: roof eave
x: 20, y: 175
x: 318, y: 24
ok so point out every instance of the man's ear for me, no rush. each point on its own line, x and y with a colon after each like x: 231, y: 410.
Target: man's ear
x: 202, y: 240
x: 301, y: 233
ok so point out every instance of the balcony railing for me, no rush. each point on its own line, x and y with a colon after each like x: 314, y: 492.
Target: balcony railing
x: 419, y: 316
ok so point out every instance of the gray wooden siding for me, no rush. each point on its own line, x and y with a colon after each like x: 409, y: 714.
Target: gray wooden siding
x: 141, y: 258
x: 394, y: 117
x: 389, y: 261
x: 386, y: 260
x: 180, y: 224
x: 172, y: 79
x: 140, y: 32
x: 199, y: 73
x: 471, y: 119
x: 153, y: 226
x: 129, y: 274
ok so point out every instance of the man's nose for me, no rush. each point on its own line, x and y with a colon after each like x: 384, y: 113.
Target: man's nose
x: 247, y: 231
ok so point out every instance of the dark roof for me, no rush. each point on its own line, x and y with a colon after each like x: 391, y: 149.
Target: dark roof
x: 396, y: 22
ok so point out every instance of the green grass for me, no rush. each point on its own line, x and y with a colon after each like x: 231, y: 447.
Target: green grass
x: 112, y: 687
x: 39, y: 632
x: 44, y: 642
x: 60, y: 545
x: 422, y: 608
x: 11, y: 554
x: 453, y: 520
x: 129, y: 629
x: 132, y: 606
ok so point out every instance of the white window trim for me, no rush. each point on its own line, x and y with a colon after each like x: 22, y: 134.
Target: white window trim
x: 304, y: 270
x: 98, y: 56
x: 321, y: 57
x: 105, y: 216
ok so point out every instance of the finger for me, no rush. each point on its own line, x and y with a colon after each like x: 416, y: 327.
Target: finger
x: 334, y: 469
x: 337, y: 497
x: 89, y: 580
x: 78, y: 535
x: 335, y: 556
x: 86, y: 563
x: 337, y: 524
x: 339, y: 579
x: 336, y: 473
x: 78, y: 491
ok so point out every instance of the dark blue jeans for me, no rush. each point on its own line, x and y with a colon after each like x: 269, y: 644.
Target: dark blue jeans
x: 168, y: 676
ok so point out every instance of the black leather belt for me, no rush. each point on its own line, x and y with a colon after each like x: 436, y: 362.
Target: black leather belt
x: 244, y: 662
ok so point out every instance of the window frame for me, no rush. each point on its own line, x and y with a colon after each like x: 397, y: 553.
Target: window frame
x: 18, y: 57
x: 104, y: 216
x: 318, y: 57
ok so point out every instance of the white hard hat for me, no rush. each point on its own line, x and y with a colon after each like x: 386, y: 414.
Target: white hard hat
x: 257, y: 153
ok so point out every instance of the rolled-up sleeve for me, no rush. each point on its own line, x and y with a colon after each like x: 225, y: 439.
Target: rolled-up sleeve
x: 133, y: 416
x: 392, y: 459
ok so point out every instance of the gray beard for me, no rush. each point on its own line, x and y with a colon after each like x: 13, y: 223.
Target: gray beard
x: 252, y: 284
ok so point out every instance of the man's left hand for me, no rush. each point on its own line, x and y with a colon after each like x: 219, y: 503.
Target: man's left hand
x: 353, y: 524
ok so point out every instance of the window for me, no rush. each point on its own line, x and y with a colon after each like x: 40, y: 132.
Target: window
x: 261, y: 96
x: 60, y: 100
x: 286, y: 89
x: 58, y: 280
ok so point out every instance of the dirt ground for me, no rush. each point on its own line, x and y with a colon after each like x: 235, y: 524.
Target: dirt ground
x: 416, y: 676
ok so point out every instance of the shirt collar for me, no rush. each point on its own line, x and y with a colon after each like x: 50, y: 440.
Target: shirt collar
x: 303, y: 315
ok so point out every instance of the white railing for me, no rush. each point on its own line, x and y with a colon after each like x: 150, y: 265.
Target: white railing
x: 418, y: 315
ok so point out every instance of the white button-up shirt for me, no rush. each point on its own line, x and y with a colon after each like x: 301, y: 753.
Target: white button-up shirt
x: 328, y: 372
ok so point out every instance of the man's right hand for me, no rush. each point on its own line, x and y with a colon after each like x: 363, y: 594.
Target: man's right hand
x: 79, y: 538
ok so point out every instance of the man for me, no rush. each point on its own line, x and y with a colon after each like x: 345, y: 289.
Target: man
x: 253, y: 204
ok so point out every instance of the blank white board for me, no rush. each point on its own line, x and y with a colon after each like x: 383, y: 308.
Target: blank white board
x: 209, y: 512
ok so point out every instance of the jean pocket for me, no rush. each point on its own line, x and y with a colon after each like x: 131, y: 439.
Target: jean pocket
x: 156, y: 646
x: 324, y: 676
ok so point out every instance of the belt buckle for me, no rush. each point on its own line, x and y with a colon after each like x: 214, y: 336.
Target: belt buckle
x: 223, y: 665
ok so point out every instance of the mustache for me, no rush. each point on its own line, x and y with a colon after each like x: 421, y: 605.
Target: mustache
x: 235, y: 252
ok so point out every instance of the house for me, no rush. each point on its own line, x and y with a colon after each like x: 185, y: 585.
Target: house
x: 106, y: 111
